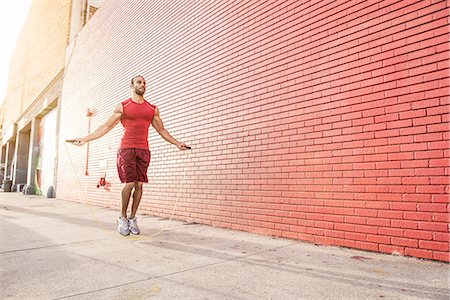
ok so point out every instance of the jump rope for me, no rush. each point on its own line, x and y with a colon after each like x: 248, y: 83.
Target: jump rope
x: 116, y: 234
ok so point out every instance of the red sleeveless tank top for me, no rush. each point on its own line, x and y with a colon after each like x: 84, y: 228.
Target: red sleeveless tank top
x: 136, y: 120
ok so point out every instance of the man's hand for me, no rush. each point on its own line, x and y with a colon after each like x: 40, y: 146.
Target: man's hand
x: 77, y: 141
x: 183, y: 146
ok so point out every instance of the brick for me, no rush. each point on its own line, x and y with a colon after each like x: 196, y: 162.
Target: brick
x: 416, y: 180
x: 392, y: 249
x: 366, y: 229
x: 427, y: 120
x: 434, y: 245
x: 441, y: 236
x: 439, y: 110
x: 432, y: 207
x: 403, y: 206
x: 378, y: 222
x: 324, y: 240
x: 366, y: 246
x: 432, y: 189
x: 440, y: 217
x: 404, y: 224
x: 438, y: 136
x: 442, y: 127
x: 429, y: 154
x: 334, y: 218
x: 418, y: 234
x: 401, y: 156
x: 434, y: 226
x: 390, y: 165
x: 355, y: 236
x: 378, y: 239
x: 421, y: 216
x: 365, y: 213
x: 333, y: 233
x: 425, y: 103
x: 400, y: 124
x: 390, y: 231
x: 402, y: 189
x: 438, y: 145
x: 402, y: 139
x: 315, y: 231
x: 421, y: 253
x: 439, y: 162
x: 391, y: 214
x: 344, y: 227
x: 404, y: 106
x: 387, y: 133
x: 412, y: 243
x: 306, y: 237
x: 413, y: 147
x: 344, y: 243
x: 443, y: 256
x: 388, y: 149
x: 441, y: 198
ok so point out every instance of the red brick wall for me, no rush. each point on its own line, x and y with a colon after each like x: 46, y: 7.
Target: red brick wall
x: 324, y: 121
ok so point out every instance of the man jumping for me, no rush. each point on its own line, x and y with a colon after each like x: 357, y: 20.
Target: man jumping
x: 133, y: 157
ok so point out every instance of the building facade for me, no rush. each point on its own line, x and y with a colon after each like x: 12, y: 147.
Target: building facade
x: 323, y: 121
x: 29, y: 114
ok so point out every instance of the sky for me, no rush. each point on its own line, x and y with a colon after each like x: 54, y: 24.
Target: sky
x: 13, y: 14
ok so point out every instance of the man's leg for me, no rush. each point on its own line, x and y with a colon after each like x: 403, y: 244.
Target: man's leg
x: 126, y: 193
x: 142, y: 162
x: 123, y: 225
x: 137, y: 195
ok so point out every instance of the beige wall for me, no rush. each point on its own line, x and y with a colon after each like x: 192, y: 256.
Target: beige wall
x: 38, y: 57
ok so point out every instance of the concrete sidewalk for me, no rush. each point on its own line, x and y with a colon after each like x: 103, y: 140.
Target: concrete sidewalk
x: 55, y: 249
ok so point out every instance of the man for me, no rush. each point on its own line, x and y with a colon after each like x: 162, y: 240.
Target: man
x: 133, y: 157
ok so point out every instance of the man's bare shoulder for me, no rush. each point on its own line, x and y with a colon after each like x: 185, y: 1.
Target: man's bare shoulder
x: 119, y: 108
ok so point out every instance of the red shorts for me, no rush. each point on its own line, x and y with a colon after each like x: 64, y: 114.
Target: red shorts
x: 132, y: 164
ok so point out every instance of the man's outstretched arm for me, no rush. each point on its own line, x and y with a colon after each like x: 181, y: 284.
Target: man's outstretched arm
x: 158, y: 124
x: 103, y: 129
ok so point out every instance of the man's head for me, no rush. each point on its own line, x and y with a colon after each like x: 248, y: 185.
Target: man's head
x: 138, y: 85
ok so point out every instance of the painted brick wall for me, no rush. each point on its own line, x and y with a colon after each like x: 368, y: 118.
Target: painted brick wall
x: 323, y: 121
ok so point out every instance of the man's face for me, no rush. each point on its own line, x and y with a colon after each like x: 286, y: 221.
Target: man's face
x: 139, y: 86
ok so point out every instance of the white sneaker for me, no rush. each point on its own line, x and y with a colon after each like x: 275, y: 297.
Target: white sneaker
x: 122, y: 226
x: 133, y: 226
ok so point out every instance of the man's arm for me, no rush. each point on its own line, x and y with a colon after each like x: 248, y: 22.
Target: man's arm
x: 159, y: 126
x: 103, y: 129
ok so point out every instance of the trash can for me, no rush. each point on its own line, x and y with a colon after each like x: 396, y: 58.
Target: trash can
x: 7, y: 184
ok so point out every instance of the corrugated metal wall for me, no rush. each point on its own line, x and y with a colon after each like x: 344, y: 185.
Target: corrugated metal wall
x: 325, y: 121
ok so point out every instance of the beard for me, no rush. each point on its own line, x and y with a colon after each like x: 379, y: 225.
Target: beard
x: 140, y: 92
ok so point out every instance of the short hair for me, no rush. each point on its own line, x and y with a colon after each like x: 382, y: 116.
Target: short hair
x: 132, y: 79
